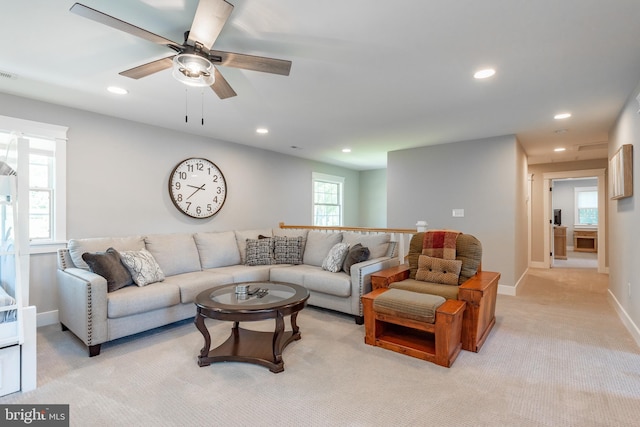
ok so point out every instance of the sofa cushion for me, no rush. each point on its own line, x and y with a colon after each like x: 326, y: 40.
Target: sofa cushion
x: 191, y: 284
x: 318, y: 280
x: 243, y: 273
x: 217, y: 249
x: 288, y: 250
x: 318, y: 246
x: 335, y: 258
x: 378, y: 244
x: 175, y: 253
x: 100, y: 244
x: 143, y: 267
x: 445, y: 291
x: 260, y: 251
x: 134, y: 300
x: 357, y: 253
x: 438, y: 270
x: 241, y: 240
x: 108, y: 265
x: 293, y: 273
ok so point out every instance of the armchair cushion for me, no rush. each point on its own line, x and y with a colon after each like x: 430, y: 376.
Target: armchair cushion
x: 438, y: 270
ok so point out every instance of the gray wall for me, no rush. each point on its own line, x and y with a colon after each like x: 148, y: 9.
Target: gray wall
x: 373, y: 198
x: 117, y: 174
x: 624, y: 221
x: 486, y: 178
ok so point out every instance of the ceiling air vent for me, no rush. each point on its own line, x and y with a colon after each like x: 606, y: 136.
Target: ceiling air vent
x: 593, y: 146
x: 7, y: 75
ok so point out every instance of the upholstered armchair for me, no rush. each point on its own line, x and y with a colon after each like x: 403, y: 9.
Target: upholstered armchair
x: 475, y: 287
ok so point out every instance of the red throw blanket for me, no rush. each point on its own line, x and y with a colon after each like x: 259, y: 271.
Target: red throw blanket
x: 440, y: 244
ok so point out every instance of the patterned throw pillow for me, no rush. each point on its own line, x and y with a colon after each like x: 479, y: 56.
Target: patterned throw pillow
x: 288, y: 250
x: 143, y: 267
x: 108, y: 265
x: 260, y: 251
x: 438, y: 270
x: 335, y: 258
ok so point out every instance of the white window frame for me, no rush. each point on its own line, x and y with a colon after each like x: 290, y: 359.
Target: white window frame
x: 334, y: 179
x: 24, y: 129
x: 577, y: 191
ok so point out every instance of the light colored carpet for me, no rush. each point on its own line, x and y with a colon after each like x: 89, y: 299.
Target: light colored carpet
x: 558, y: 356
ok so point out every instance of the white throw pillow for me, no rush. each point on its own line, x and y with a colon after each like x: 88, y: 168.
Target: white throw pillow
x: 143, y: 267
x: 334, y: 260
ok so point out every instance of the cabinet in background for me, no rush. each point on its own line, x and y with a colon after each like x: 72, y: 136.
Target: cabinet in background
x: 560, y: 242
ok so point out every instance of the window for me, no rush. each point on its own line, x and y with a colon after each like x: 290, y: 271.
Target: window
x: 586, y: 206
x: 38, y: 150
x: 327, y: 199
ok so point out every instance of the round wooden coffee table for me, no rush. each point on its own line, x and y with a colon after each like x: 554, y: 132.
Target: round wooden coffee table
x: 264, y: 300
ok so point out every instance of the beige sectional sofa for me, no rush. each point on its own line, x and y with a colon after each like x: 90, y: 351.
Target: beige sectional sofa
x: 188, y: 263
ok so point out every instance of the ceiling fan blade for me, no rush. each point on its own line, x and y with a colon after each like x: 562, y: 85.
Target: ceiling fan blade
x: 255, y: 63
x: 221, y: 87
x: 103, y: 18
x: 211, y: 15
x: 148, y: 68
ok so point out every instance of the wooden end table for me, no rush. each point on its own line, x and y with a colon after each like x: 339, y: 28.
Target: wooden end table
x: 243, y: 345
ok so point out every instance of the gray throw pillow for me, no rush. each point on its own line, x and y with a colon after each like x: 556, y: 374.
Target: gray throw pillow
x: 108, y: 265
x: 357, y: 253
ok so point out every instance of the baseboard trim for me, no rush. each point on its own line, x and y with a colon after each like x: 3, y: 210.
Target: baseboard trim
x: 512, y: 290
x: 538, y: 264
x: 47, y: 318
x: 626, y: 320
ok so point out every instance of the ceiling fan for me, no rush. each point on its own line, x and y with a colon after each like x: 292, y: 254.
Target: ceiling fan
x: 194, y: 62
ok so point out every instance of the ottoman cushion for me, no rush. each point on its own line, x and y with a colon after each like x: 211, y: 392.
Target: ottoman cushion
x: 410, y: 305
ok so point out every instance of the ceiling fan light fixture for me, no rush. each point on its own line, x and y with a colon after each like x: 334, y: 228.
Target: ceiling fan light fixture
x: 193, y: 70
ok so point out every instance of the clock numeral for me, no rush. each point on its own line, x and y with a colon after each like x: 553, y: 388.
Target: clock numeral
x: 200, y: 166
x: 188, y: 205
x: 219, y: 191
x: 182, y: 175
x: 179, y: 198
x: 177, y: 185
x: 198, y: 210
x: 209, y: 208
x: 215, y: 178
x: 215, y: 200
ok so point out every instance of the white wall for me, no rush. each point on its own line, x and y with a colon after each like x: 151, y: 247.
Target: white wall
x: 373, y: 198
x: 484, y: 177
x: 624, y: 224
x: 117, y: 183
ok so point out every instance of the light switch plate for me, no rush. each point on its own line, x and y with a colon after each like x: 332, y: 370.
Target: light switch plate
x: 458, y: 213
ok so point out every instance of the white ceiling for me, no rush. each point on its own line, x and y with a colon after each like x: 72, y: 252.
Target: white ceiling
x: 374, y: 76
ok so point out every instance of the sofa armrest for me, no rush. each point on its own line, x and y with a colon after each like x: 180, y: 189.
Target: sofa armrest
x: 480, y: 293
x: 82, y: 303
x: 383, y: 278
x: 361, y: 274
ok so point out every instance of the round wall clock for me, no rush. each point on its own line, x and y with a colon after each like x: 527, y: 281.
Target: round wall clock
x: 197, y: 187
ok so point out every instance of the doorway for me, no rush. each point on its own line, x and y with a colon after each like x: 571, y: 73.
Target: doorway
x: 574, y: 204
x: 599, y: 231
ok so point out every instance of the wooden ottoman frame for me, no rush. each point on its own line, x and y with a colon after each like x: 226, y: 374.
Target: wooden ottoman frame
x: 438, y: 342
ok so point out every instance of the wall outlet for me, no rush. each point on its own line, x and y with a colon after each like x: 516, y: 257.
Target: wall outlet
x: 458, y: 213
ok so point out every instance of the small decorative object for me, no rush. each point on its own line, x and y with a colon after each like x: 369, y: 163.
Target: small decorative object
x: 242, y: 292
x: 621, y: 172
x: 421, y: 226
x: 197, y: 188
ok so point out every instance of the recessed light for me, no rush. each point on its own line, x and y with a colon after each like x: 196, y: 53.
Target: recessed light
x: 262, y: 131
x: 561, y: 116
x: 483, y: 74
x: 117, y: 90
x: 559, y: 149
x: 346, y: 150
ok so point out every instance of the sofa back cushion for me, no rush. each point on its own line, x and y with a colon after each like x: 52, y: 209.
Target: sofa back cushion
x: 318, y: 246
x: 468, y: 250
x: 378, y: 244
x: 174, y: 253
x: 100, y: 244
x: 217, y: 249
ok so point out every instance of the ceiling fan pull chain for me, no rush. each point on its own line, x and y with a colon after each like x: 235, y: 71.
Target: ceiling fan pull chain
x: 186, y: 107
x: 202, y: 108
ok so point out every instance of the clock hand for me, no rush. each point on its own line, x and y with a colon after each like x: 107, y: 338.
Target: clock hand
x: 197, y: 189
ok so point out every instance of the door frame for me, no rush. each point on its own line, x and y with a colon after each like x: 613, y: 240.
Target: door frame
x: 547, y: 206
